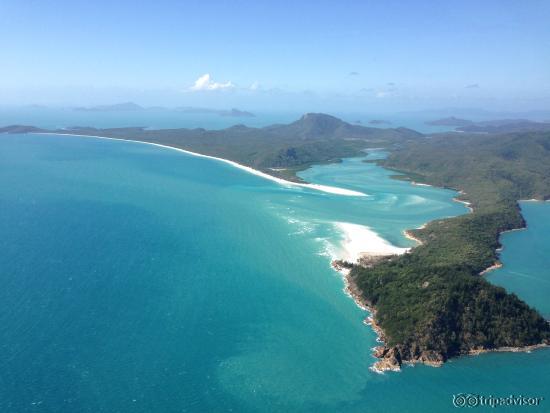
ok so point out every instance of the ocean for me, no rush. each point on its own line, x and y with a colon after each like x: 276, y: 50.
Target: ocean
x: 142, y: 279
x: 59, y: 117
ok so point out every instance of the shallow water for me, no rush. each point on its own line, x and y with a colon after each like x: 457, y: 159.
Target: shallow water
x: 140, y: 279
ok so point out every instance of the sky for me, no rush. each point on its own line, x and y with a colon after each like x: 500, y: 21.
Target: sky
x: 307, y: 55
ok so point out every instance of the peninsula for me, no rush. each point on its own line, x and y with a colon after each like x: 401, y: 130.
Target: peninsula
x: 429, y: 304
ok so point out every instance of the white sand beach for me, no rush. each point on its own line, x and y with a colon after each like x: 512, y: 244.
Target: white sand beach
x: 361, y: 240
x: 322, y: 188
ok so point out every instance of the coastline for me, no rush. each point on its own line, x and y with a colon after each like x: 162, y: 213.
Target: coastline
x: 420, y: 184
x: 468, y: 204
x: 356, y: 235
x: 351, y: 290
x: 525, y: 349
x: 389, y: 358
x: 386, y: 357
x: 408, y: 234
x: 378, y: 248
x: 495, y: 266
x: 497, y: 263
x: 280, y: 181
x: 360, y: 240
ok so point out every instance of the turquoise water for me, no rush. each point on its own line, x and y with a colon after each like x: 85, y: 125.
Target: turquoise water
x: 141, y: 279
x: 526, y: 258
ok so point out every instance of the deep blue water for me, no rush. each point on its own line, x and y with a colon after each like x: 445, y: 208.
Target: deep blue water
x: 141, y: 279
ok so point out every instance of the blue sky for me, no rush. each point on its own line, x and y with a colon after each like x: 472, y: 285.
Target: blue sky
x: 350, y: 55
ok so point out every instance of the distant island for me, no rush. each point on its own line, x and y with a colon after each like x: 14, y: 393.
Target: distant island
x: 450, y: 121
x: 505, y: 126
x: 134, y: 107
x: 491, y: 126
x: 432, y: 303
x: 233, y: 112
x: 379, y: 122
x: 237, y: 113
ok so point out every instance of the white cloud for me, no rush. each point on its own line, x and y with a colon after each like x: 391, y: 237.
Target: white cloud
x: 206, y: 83
x: 255, y: 85
x: 388, y: 91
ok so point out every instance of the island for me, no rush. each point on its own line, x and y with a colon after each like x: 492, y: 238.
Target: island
x: 450, y: 121
x: 433, y: 302
x: 234, y: 112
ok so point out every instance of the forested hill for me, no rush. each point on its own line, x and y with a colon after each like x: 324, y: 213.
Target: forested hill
x: 319, y: 126
x: 314, y: 138
x: 489, y: 168
x: 432, y: 304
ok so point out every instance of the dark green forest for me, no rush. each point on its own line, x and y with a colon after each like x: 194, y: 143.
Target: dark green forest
x: 432, y: 302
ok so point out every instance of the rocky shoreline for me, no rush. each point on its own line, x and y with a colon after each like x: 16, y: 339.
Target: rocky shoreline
x: 392, y: 358
x: 389, y: 360
x: 468, y: 204
x: 495, y: 266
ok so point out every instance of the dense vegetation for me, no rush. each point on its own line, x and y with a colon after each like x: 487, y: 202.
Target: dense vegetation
x: 432, y: 303
x: 493, y: 126
x: 280, y: 150
x: 505, y: 126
